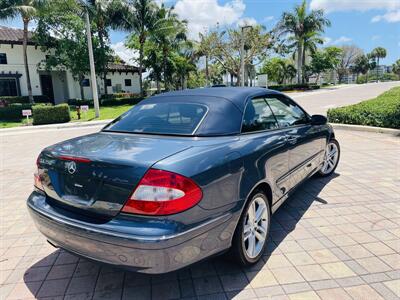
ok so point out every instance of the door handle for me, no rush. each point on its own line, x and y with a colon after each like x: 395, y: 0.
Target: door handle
x: 291, y: 139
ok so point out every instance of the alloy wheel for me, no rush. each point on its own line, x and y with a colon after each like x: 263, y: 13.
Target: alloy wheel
x: 331, y: 158
x: 255, y: 227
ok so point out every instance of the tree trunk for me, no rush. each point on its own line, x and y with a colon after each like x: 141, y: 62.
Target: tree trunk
x: 303, y: 64
x: 299, y: 67
x: 104, y: 67
x: 141, y: 68
x: 81, y: 87
x: 24, y: 51
x: 166, y: 83
x: 207, y: 74
x: 377, y: 70
x: 158, y: 86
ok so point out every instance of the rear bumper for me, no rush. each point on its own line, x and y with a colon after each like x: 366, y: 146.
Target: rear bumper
x: 117, y: 243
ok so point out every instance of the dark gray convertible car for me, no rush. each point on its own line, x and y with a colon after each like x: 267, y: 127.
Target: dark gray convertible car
x: 180, y: 177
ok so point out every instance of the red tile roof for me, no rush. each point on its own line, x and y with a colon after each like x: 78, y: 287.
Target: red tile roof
x: 13, y: 36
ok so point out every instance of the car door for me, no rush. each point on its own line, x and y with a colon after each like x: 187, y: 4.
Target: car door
x: 304, y: 140
x: 264, y: 148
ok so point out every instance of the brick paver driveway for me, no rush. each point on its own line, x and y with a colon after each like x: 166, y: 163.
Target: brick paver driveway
x: 336, y: 238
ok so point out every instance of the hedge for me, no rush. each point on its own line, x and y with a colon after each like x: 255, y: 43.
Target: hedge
x: 24, y: 99
x: 290, y: 87
x: 382, y: 111
x: 43, y: 114
x: 106, y: 102
x: 13, y: 112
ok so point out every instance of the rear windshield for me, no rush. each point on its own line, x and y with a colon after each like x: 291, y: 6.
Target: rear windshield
x: 160, y: 118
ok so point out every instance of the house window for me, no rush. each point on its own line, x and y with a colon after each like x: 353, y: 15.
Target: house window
x: 8, y: 87
x: 128, y: 82
x: 85, y: 82
x: 108, y: 82
x: 3, y: 59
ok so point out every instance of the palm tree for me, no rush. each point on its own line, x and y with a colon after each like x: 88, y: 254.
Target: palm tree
x: 301, y: 28
x: 106, y: 14
x: 141, y: 20
x: 205, y: 48
x: 361, y: 65
x: 169, y: 34
x: 27, y: 10
x: 378, y: 53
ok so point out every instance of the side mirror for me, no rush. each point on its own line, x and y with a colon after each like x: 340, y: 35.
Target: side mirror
x: 318, y: 120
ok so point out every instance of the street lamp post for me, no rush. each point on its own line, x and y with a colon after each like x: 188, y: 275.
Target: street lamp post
x: 242, y: 54
x: 92, y: 68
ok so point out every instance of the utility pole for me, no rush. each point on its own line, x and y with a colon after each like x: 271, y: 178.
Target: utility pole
x: 242, y: 54
x: 91, y: 61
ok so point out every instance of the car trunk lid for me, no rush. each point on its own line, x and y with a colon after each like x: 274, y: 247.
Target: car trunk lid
x: 95, y: 174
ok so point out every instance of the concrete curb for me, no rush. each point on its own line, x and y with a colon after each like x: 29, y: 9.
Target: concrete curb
x: 56, y: 126
x: 391, y: 131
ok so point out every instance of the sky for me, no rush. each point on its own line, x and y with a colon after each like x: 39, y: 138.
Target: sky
x: 365, y: 23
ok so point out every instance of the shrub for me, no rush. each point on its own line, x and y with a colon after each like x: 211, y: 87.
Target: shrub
x: 79, y: 102
x: 382, y: 111
x: 13, y: 112
x: 25, y: 99
x: 118, y: 95
x: 290, y: 87
x: 121, y: 101
x: 43, y: 114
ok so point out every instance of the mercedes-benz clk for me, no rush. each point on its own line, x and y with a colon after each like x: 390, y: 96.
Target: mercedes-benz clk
x: 180, y: 177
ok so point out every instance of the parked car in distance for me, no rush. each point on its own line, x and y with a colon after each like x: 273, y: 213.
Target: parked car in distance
x: 180, y: 177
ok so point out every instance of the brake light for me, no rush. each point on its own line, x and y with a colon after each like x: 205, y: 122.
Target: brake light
x: 163, y: 193
x: 37, y: 181
x: 74, y: 158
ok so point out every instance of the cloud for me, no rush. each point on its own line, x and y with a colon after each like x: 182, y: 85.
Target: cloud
x: 268, y: 19
x: 124, y: 53
x: 205, y: 14
x: 375, y: 37
x: 349, y: 5
x: 391, y: 17
x: 391, y: 8
x: 341, y: 40
x: 247, y: 22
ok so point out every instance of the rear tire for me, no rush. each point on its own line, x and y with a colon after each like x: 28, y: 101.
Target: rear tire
x: 251, y: 235
x: 331, y: 158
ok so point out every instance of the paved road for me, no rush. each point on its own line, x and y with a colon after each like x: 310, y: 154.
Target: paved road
x: 336, y: 238
x: 319, y: 101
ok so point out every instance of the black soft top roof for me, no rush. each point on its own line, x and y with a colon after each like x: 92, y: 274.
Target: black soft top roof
x: 236, y: 95
x: 225, y: 106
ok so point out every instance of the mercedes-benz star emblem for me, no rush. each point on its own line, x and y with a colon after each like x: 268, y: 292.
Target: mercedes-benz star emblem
x: 71, y: 167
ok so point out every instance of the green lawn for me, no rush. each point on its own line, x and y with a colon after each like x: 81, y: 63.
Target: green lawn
x: 382, y: 111
x: 109, y: 112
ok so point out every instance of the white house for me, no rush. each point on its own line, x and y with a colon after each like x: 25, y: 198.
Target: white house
x: 57, y: 85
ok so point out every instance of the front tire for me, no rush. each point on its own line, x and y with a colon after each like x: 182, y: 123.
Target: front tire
x: 331, y: 158
x: 250, y: 238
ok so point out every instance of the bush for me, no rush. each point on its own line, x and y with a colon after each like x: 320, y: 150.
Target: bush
x: 372, y: 77
x: 13, y: 112
x: 43, y: 114
x: 382, y: 111
x: 79, y: 102
x: 118, y: 95
x: 290, y: 87
x: 121, y: 101
x: 25, y: 99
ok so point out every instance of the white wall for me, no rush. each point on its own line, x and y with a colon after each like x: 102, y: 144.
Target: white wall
x: 65, y: 87
x: 15, y: 63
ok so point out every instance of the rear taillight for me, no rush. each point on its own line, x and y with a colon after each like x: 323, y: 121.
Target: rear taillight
x: 163, y: 193
x: 37, y: 181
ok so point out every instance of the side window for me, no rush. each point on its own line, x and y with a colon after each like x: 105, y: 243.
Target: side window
x: 286, y: 112
x: 258, y: 116
x: 3, y: 59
